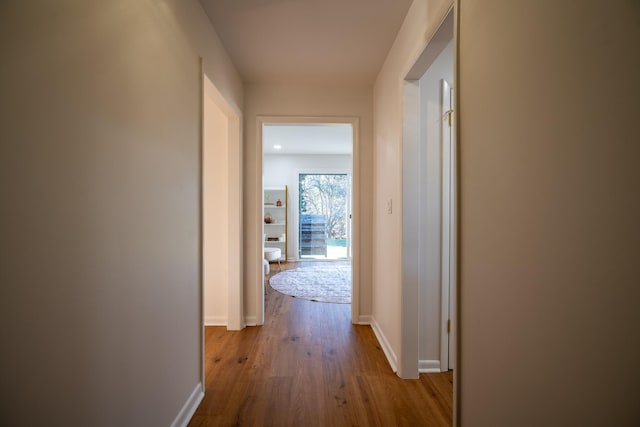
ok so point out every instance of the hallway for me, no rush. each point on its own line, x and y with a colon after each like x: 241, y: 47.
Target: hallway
x: 309, y: 366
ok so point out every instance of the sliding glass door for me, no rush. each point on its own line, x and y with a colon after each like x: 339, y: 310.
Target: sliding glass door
x: 324, y: 216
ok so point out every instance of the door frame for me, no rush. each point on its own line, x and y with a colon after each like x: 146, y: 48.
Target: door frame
x: 235, y: 314
x: 258, y: 289
x: 412, y: 282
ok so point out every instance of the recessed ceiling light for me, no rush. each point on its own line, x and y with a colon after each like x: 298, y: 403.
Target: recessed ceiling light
x: 277, y: 147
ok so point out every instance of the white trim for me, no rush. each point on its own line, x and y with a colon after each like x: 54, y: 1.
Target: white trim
x: 429, y: 366
x: 364, y: 319
x: 257, y: 252
x: 442, y: 34
x: 412, y: 279
x: 251, y: 321
x: 355, y: 219
x: 384, y: 344
x: 235, y: 232
x: 234, y: 201
x: 189, y: 407
x: 215, y: 321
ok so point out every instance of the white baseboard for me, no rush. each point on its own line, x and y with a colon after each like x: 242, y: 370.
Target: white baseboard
x: 189, y: 407
x: 364, y: 320
x: 384, y: 343
x: 428, y: 366
x: 215, y: 321
x: 251, y: 321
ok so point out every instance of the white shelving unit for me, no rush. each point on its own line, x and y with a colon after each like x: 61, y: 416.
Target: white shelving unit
x: 274, y: 219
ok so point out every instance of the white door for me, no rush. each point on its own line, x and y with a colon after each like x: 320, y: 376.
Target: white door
x: 448, y: 228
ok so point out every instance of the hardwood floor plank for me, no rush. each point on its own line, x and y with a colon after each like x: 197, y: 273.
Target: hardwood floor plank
x: 309, y: 366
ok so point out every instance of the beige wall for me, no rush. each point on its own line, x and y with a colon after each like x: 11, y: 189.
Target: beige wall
x: 549, y: 178
x: 421, y: 22
x: 304, y: 101
x: 100, y: 299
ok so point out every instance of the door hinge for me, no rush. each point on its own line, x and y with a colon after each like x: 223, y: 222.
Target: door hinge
x: 449, y: 114
x: 449, y: 326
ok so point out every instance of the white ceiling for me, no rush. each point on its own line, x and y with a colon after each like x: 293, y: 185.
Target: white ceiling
x: 341, y: 42
x: 307, y: 138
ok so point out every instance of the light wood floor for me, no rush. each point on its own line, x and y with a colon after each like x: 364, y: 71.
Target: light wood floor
x: 309, y: 366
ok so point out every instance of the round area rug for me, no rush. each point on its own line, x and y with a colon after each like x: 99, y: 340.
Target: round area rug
x: 323, y: 283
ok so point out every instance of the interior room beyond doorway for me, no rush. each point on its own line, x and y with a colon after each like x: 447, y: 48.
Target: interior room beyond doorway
x: 313, y: 163
x: 274, y: 172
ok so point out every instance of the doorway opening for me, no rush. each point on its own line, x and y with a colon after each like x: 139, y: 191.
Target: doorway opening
x: 298, y: 153
x: 221, y: 250
x: 221, y: 210
x: 324, y: 216
x: 429, y: 209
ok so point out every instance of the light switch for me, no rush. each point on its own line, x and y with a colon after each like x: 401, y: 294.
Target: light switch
x: 390, y: 206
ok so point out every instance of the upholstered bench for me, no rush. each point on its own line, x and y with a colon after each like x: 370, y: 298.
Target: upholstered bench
x: 272, y: 254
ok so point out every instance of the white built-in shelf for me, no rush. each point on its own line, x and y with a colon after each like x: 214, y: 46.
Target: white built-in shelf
x: 278, y: 229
